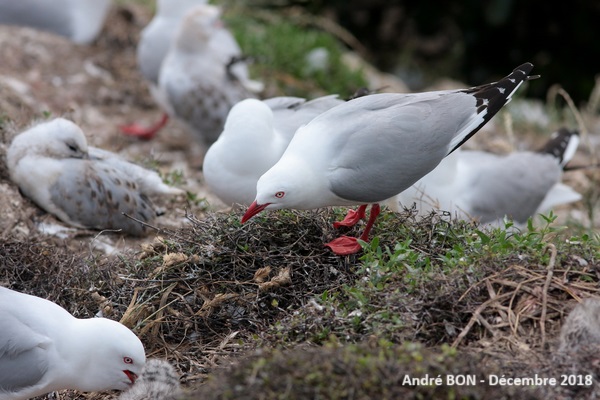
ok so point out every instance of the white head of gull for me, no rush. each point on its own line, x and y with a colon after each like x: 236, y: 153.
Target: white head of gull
x: 156, y: 37
x: 371, y: 148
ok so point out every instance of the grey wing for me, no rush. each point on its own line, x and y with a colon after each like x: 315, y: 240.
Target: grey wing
x: 282, y: 103
x: 387, y: 143
x: 95, y: 195
x: 513, y: 186
x: 323, y: 103
x: 23, y: 354
x: 288, y: 119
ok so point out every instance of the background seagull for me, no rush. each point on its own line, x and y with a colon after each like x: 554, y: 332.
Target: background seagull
x: 155, y: 40
x: 79, y: 20
x: 203, y: 74
x: 199, y: 75
x: 487, y: 187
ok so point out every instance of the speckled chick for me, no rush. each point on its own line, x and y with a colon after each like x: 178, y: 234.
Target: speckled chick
x: 83, y: 186
x: 159, y: 381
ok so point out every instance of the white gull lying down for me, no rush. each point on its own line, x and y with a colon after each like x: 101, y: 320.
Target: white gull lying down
x: 487, y: 187
x: 255, y: 135
x: 83, y: 186
x: 158, y: 381
x: 43, y: 348
x: 371, y: 148
x: 79, y: 20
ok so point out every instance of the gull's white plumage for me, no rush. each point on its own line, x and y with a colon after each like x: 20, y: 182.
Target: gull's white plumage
x: 79, y: 20
x: 255, y: 135
x: 43, y: 348
x: 369, y: 149
x: 199, y: 78
x: 486, y: 187
x: 158, y: 381
x: 83, y: 186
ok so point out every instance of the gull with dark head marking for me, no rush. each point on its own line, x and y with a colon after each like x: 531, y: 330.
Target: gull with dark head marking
x: 44, y: 348
x: 83, y: 186
x: 371, y: 148
x: 255, y: 135
x: 487, y: 187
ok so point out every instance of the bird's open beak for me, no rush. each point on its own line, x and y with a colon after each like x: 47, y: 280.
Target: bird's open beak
x: 132, y: 377
x: 253, y: 210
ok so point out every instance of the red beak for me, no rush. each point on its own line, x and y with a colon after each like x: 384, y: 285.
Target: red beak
x: 253, y: 210
x: 132, y: 377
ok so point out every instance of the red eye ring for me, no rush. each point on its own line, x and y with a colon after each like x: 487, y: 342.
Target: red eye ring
x: 279, y: 195
x: 127, y: 360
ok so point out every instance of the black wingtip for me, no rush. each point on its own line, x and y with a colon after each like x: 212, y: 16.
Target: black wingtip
x: 560, y: 145
x: 524, y: 68
x: 491, y: 97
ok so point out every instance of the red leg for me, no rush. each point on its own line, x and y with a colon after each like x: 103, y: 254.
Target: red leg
x: 375, y: 210
x: 142, y: 132
x: 352, y: 217
x: 345, y: 245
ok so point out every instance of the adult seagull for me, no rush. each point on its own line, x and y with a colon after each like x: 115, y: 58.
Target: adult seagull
x: 44, y: 348
x: 371, y: 148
